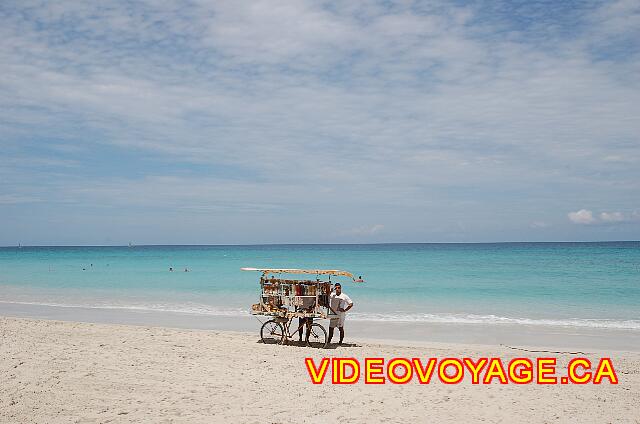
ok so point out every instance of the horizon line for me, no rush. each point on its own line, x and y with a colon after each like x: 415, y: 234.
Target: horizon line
x: 316, y: 244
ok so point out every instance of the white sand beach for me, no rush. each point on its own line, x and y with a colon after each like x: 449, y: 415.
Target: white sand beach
x: 60, y: 372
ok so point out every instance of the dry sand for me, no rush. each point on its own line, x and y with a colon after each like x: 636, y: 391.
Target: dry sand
x: 59, y: 372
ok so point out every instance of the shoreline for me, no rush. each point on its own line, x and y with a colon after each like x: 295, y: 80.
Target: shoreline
x: 389, y: 342
x: 516, y: 335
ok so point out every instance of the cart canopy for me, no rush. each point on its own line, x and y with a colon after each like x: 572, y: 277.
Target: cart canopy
x: 335, y: 272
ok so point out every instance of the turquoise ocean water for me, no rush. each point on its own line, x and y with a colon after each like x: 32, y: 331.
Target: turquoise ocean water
x: 587, y: 285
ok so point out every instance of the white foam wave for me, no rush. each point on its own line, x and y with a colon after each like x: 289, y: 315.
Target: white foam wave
x: 191, y: 309
x: 441, y: 318
x: 494, y: 319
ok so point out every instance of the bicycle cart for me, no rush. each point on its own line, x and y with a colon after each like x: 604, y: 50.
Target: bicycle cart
x: 285, y: 299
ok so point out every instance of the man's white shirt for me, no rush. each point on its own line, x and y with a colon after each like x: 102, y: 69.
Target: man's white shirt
x: 340, y: 301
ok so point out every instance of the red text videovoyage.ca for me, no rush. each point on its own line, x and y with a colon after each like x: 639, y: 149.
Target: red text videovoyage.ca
x: 542, y: 370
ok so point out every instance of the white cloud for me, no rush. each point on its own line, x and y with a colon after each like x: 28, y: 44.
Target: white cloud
x: 612, y: 217
x: 583, y: 216
x: 364, y: 231
x: 538, y: 224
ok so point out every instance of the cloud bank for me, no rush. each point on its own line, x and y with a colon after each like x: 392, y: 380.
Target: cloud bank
x: 584, y: 216
x: 198, y: 121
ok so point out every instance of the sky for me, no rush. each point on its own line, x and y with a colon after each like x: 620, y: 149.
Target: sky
x: 233, y: 122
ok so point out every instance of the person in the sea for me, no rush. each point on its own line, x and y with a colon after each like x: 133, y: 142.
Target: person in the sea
x: 340, y: 303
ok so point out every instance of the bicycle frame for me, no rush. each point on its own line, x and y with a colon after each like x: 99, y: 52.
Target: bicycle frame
x: 286, y: 325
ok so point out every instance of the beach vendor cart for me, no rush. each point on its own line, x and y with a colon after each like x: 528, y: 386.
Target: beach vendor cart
x: 283, y: 299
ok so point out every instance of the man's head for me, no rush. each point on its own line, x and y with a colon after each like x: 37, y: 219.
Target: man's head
x: 338, y: 288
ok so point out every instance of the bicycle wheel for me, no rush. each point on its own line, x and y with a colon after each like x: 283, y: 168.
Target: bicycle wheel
x: 317, y: 336
x: 271, y: 332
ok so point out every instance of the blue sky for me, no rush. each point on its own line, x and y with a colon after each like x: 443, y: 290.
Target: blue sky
x: 310, y: 122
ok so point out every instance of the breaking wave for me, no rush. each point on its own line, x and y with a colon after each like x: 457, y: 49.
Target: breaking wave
x: 497, y: 320
x: 436, y: 318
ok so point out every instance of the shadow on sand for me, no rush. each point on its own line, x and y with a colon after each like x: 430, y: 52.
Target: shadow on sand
x: 295, y: 343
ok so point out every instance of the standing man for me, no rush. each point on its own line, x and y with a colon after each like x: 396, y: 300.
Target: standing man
x: 340, y: 303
